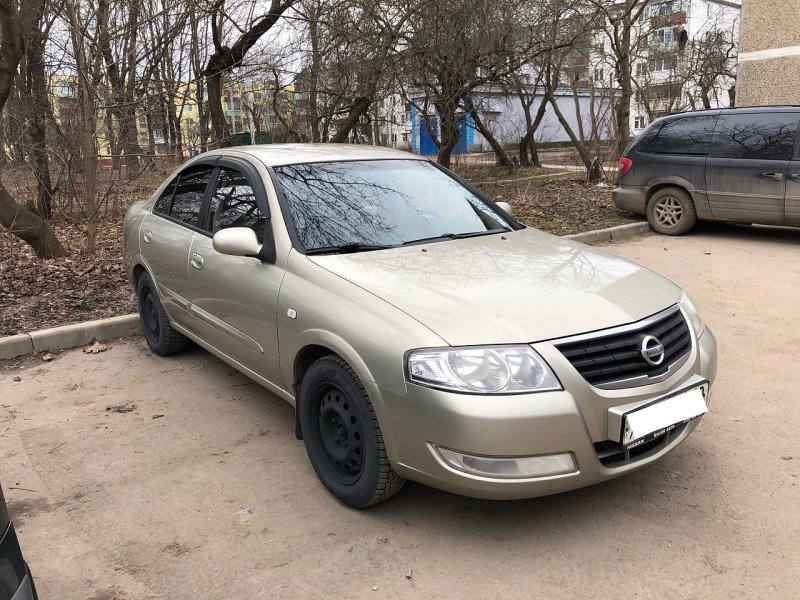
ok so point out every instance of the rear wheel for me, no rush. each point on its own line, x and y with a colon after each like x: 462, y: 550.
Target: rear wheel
x: 671, y: 211
x: 156, y: 327
x: 342, y: 435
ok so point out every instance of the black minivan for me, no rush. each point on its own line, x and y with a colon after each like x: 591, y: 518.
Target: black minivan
x: 733, y: 164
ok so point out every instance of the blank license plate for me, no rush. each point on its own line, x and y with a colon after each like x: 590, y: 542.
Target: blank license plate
x: 645, y: 424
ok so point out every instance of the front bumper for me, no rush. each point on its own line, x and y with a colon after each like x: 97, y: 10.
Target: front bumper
x: 630, y: 198
x: 574, y: 421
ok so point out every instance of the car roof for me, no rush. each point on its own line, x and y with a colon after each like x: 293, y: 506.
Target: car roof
x: 274, y: 155
x: 739, y: 109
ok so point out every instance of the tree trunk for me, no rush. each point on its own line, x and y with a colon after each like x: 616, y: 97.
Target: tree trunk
x: 313, y: 77
x: 594, y: 172
x: 626, y: 90
x: 357, y: 110
x: 497, y: 147
x: 219, y: 126
x: 448, y: 132
x: 29, y: 227
x: 37, y: 90
x: 15, y: 26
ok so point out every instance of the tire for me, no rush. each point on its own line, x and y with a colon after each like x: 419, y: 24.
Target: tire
x: 342, y: 436
x: 671, y: 211
x: 157, y: 330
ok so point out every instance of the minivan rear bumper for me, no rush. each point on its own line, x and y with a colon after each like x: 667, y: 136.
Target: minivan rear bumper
x: 630, y: 198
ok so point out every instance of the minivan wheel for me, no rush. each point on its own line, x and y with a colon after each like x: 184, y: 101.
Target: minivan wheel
x: 342, y: 436
x: 157, y: 330
x: 671, y: 211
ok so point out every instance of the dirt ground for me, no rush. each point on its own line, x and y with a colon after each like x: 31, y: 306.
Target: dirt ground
x: 136, y: 477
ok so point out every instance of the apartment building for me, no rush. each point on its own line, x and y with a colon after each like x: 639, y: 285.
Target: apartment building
x: 769, y: 57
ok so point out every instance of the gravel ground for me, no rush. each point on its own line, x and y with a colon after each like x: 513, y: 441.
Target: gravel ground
x: 136, y: 477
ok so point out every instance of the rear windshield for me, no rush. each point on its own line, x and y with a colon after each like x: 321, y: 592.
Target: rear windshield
x: 680, y: 135
x: 380, y: 202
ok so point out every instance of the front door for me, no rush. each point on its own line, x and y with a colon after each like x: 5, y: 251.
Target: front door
x: 748, y: 165
x: 793, y: 190
x: 234, y: 298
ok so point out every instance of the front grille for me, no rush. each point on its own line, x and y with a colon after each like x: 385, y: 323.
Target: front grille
x: 611, y: 454
x: 613, y: 358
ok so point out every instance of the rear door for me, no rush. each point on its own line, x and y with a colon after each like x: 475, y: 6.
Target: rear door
x: 235, y: 298
x: 167, y: 233
x: 793, y: 187
x: 748, y: 164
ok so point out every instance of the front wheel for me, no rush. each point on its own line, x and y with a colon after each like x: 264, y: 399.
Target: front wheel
x: 342, y: 436
x: 671, y: 211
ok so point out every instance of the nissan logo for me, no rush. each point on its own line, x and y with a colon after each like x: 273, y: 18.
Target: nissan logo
x: 652, y: 350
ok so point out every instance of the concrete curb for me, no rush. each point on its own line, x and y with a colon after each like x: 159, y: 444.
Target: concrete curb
x: 80, y: 334
x: 68, y: 336
x: 618, y: 232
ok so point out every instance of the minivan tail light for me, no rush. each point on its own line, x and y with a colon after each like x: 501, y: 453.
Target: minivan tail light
x: 625, y: 165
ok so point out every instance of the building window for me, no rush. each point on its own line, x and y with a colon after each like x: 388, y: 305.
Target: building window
x: 638, y: 123
x: 662, y: 64
x: 598, y: 74
x: 665, y: 8
x: 662, y: 36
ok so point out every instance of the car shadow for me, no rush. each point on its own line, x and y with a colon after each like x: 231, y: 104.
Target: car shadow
x: 757, y: 233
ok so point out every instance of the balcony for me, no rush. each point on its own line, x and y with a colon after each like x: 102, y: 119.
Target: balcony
x: 676, y: 18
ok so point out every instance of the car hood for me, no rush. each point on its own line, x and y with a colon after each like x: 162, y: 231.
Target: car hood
x: 519, y: 287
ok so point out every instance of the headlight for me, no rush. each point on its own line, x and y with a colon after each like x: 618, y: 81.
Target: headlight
x: 482, y: 370
x: 690, y: 310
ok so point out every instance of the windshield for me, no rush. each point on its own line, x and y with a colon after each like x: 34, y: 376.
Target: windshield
x: 381, y: 203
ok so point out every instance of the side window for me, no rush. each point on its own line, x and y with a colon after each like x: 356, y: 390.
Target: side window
x: 766, y: 136
x: 234, y: 204
x: 684, y: 135
x: 164, y: 201
x: 189, y: 194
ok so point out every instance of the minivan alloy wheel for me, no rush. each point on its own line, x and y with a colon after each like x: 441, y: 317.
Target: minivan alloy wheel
x: 669, y: 211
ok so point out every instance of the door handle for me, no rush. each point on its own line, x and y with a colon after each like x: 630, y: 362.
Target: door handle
x: 147, y: 236
x: 197, y: 261
x: 772, y: 176
x: 795, y: 176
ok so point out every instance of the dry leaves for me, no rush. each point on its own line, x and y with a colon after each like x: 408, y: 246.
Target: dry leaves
x: 95, y: 348
x: 560, y: 205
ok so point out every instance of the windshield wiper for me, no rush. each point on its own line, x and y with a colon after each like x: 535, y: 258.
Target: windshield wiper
x: 456, y: 236
x: 347, y: 248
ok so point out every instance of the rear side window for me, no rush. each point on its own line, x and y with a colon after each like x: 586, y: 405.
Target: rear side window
x: 766, y: 136
x: 234, y: 204
x: 189, y: 194
x: 164, y: 201
x: 684, y: 135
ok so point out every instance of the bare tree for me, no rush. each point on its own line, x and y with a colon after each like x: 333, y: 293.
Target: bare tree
x: 17, y: 19
x: 225, y: 58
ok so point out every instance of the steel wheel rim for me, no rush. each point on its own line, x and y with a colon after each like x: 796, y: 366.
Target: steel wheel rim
x: 668, y: 211
x: 149, y: 313
x: 341, y: 434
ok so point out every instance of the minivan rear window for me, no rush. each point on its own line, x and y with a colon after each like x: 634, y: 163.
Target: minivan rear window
x: 682, y: 135
x: 760, y: 136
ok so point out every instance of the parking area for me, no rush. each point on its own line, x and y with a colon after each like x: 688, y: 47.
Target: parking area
x: 131, y: 476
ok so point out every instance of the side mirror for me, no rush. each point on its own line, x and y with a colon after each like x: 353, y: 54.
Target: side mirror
x: 237, y: 241
x: 506, y: 208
